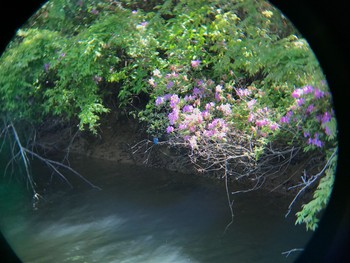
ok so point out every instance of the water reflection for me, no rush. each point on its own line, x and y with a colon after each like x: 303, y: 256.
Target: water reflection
x: 145, y: 215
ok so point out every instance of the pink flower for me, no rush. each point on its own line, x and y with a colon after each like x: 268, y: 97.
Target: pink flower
x: 183, y: 126
x: 310, y: 108
x: 144, y: 24
x: 195, y: 63
x: 160, y: 101
x: 169, y: 129
x: 174, y: 100
x: 188, y: 98
x: 218, y: 89
x: 173, y: 116
x: 192, y: 128
x: 225, y: 108
x: 308, y: 89
x: 300, y: 101
x: 217, y: 96
x: 251, y: 117
x: 209, y: 133
x: 284, y: 119
x: 316, y: 141
x: 262, y: 122
x: 198, y: 92
x: 318, y: 94
x: 319, y: 118
x: 328, y: 131
x: 251, y: 103
x: 206, y: 114
x: 187, y: 108
x: 326, y: 117
x: 306, y: 134
x: 243, y: 92
x: 210, y: 105
x: 289, y: 114
x: 297, y: 93
x: 170, y: 84
x: 273, y: 126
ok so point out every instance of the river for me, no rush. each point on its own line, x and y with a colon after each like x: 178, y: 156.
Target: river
x: 145, y: 215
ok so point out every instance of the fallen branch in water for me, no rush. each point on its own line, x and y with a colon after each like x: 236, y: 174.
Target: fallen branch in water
x: 21, y: 153
x: 287, y: 253
x: 232, y: 159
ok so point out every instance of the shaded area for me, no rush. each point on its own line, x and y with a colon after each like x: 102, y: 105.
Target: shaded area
x: 147, y: 215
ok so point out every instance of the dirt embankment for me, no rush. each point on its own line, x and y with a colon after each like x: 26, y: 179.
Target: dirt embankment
x: 124, y: 141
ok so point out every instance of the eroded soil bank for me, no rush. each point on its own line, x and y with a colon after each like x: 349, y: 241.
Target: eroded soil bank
x: 123, y: 140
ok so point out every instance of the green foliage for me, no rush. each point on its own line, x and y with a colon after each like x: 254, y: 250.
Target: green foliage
x: 309, y: 212
x: 74, y: 55
x: 22, y: 68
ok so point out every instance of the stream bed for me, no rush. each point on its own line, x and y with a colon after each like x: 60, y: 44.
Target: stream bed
x: 145, y: 215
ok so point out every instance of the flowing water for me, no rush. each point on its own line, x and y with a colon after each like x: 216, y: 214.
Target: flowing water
x: 146, y: 215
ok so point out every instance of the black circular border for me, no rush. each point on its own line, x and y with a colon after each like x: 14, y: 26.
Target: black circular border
x: 325, y: 25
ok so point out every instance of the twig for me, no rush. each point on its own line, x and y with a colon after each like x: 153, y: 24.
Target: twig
x: 287, y: 253
x: 309, y: 182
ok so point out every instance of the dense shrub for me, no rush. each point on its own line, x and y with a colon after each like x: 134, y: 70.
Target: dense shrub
x: 213, y: 74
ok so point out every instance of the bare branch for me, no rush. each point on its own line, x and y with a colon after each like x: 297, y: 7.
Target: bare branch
x: 19, y: 151
x: 287, y: 253
x: 307, y: 183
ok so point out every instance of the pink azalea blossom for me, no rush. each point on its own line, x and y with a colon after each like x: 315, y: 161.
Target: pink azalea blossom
x: 209, y: 133
x: 173, y: 116
x: 160, y: 101
x: 218, y: 97
x: 310, y: 108
x: 300, y: 101
x: 198, y: 92
x: 273, y: 126
x: 285, y: 119
x: 188, y: 98
x: 289, y: 114
x: 297, y: 93
x: 169, y: 129
x: 327, y: 131
x: 210, y: 105
x: 170, y: 84
x: 318, y: 94
x: 192, y: 128
x: 195, y: 63
x: 183, y: 126
x: 243, y: 92
x: 206, y: 114
x: 251, y: 103
x: 316, y: 141
x: 174, y: 100
x: 218, y: 89
x: 251, y: 117
x: 187, y: 108
x: 326, y: 117
x: 225, y: 108
x: 306, y: 134
x: 262, y: 122
x: 308, y: 89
